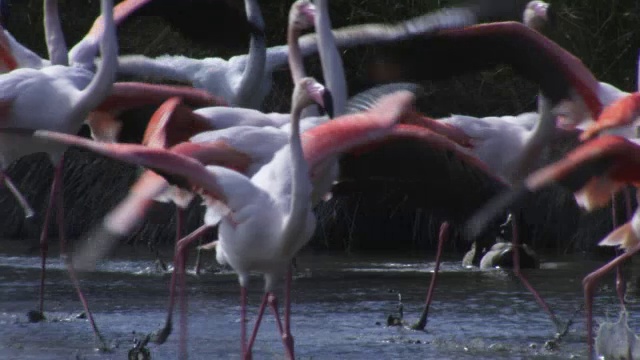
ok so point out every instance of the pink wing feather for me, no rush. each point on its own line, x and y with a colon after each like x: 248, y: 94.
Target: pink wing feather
x: 343, y: 133
x: 120, y: 12
x: 127, y: 95
x: 622, y: 112
x: 178, y: 166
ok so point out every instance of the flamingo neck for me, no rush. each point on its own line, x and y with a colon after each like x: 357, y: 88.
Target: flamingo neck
x: 102, y: 83
x: 56, y: 45
x: 296, y: 63
x: 254, y: 71
x: 300, y: 187
x: 332, y: 67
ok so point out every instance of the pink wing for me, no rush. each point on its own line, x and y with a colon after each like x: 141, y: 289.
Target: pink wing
x: 447, y: 130
x: 622, y: 112
x: 172, y: 124
x: 103, y: 121
x: 127, y: 95
x: 120, y: 12
x: 343, y: 133
x: 122, y: 220
x: 177, y: 168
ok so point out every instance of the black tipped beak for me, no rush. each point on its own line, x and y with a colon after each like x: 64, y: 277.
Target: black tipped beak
x: 327, y: 100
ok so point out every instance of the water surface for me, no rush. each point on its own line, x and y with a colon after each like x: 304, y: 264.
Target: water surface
x: 340, y: 307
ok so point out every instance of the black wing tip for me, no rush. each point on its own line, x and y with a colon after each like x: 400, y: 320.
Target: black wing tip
x: 100, y: 241
x: 508, y: 201
x: 327, y: 99
x: 366, y: 99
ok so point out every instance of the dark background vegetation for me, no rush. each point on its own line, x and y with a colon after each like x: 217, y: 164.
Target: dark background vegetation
x: 601, y: 33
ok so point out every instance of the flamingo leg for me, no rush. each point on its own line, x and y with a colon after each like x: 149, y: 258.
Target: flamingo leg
x: 56, y: 196
x: 243, y: 323
x: 161, y: 336
x: 272, y: 300
x: 182, y: 291
x: 44, y: 247
x: 247, y: 355
x: 287, y: 337
x: 24, y: 204
x: 591, y: 280
x: 443, y: 236
x: 179, y: 265
x: 620, y: 283
x: 59, y: 199
x: 197, y: 267
x: 516, y: 270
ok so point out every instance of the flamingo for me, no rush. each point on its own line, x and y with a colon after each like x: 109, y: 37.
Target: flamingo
x: 592, y: 171
x: 526, y: 135
x: 283, y: 187
x: 102, y: 120
x: 222, y: 77
x: 81, y: 55
x: 29, y: 93
x: 165, y: 131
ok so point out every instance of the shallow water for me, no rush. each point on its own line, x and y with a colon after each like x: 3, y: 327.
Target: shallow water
x: 340, y: 306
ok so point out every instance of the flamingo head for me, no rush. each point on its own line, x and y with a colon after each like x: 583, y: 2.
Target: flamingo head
x: 302, y: 15
x: 536, y: 14
x: 309, y: 91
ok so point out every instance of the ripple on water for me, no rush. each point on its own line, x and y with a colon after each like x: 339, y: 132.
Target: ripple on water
x: 340, y: 307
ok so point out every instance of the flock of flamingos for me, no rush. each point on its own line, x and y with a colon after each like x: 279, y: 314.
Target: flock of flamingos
x: 261, y: 174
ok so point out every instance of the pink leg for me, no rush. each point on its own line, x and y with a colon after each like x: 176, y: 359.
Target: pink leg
x: 619, y: 275
x: 273, y: 304
x: 620, y: 284
x: 589, y: 283
x: 28, y: 210
x: 247, y: 353
x: 287, y: 337
x: 197, y: 267
x: 44, y: 242
x: 443, y: 236
x: 243, y: 323
x: 179, y: 265
x: 161, y: 336
x: 525, y: 282
x: 59, y: 199
x: 56, y: 195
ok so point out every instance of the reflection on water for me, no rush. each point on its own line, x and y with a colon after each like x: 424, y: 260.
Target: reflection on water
x: 340, y: 306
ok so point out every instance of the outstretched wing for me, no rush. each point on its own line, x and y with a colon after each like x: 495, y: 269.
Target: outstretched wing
x: 580, y: 171
x: 622, y: 112
x: 343, y: 133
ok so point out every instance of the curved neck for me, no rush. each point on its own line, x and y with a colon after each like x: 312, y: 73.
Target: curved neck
x: 296, y: 62
x: 254, y: 70
x: 56, y: 45
x: 300, y: 185
x: 102, y: 82
x: 332, y: 67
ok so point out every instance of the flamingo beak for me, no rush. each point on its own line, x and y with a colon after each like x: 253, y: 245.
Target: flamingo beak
x: 322, y: 97
x: 309, y: 11
x: 327, y: 101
